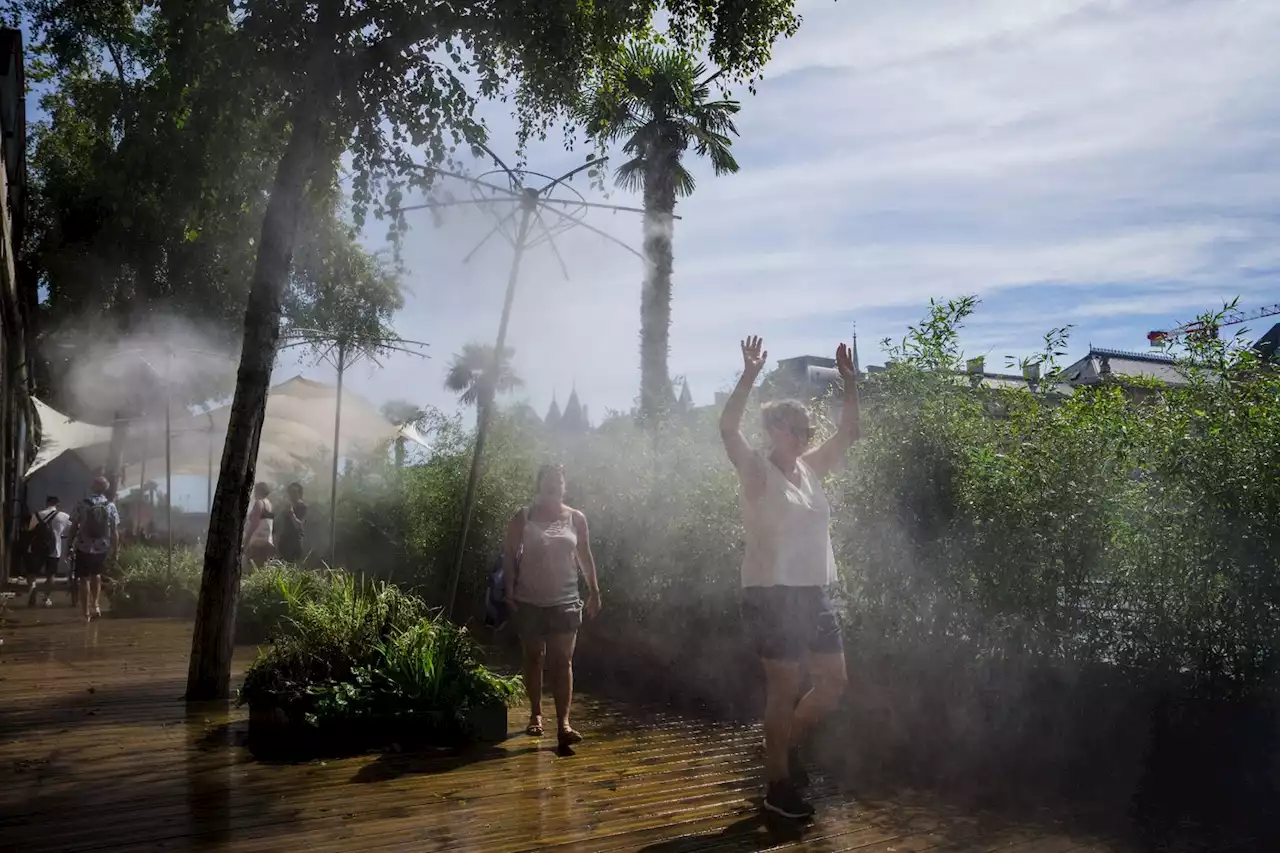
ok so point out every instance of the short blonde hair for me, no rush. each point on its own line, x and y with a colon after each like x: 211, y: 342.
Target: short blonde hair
x: 785, y: 414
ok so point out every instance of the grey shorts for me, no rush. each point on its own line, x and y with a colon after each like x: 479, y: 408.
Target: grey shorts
x: 535, y: 623
x: 786, y: 622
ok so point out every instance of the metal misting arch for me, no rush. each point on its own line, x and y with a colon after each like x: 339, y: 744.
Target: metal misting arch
x: 524, y: 227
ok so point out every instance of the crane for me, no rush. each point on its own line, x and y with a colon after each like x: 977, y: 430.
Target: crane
x: 1196, y: 327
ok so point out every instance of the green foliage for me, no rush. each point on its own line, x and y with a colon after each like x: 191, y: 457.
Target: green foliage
x: 144, y: 585
x: 370, y: 653
x: 1113, y: 527
x: 658, y: 103
x: 267, y: 592
x: 1121, y: 526
x: 149, y: 179
x: 341, y: 294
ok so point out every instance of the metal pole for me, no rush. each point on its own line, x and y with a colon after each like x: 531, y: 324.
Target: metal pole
x: 142, y: 492
x: 528, y: 205
x: 168, y: 459
x: 333, y: 483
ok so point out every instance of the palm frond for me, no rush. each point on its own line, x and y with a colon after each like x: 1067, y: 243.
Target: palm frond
x: 630, y: 175
x: 683, y: 180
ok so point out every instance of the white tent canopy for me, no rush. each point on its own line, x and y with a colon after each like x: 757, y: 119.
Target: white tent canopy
x: 59, y: 433
x: 298, y: 429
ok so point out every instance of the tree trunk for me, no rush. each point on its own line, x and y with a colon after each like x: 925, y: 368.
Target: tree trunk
x: 209, y: 673
x: 655, y: 300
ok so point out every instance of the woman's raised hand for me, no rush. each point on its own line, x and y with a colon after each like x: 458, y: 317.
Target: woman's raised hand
x: 844, y: 362
x: 753, y: 356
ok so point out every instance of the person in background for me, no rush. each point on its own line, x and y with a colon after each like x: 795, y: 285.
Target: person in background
x: 786, y: 567
x: 95, y: 536
x: 291, y: 534
x: 553, y: 541
x: 259, y: 542
x: 48, y: 528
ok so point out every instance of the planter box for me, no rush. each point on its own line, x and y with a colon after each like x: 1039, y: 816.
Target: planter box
x: 272, y: 730
x: 488, y: 723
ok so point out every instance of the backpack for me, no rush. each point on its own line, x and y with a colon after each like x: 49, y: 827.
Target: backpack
x: 43, y: 540
x: 496, y: 611
x: 97, y: 521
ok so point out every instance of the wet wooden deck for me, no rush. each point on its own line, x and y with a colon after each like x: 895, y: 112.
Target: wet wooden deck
x: 98, y: 752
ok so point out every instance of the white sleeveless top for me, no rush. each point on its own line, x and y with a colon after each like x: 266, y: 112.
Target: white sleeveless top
x: 548, y: 575
x: 788, y: 531
x: 263, y: 533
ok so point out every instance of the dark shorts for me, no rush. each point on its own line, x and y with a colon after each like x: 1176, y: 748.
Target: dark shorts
x: 51, y: 567
x: 786, y: 622
x: 535, y: 623
x: 289, y: 550
x: 88, y: 565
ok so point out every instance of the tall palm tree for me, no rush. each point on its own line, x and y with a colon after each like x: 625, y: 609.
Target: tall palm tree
x: 658, y: 103
x: 475, y: 377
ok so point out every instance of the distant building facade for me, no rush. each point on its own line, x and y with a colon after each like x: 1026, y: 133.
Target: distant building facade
x: 573, y: 420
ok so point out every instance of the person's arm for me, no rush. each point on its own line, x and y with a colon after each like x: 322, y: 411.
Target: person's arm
x: 35, y: 519
x: 735, y: 443
x: 587, y: 561
x: 113, y: 522
x: 511, y: 547
x: 831, y: 454
x: 255, y: 515
x: 73, y: 532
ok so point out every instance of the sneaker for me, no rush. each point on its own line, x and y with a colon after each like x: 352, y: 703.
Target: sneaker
x: 783, y: 799
x: 48, y: 602
x: 799, y: 776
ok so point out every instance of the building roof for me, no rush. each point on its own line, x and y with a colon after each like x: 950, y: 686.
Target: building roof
x: 1122, y: 364
x: 1267, y: 345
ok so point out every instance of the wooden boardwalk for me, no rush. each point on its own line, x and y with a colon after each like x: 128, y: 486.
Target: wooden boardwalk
x: 99, y: 752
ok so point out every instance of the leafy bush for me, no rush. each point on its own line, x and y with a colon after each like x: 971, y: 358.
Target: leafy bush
x: 1123, y: 526
x: 356, y: 656
x: 144, y: 585
x: 266, y: 594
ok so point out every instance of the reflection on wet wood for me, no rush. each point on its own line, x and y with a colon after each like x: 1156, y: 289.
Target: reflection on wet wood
x: 99, y: 752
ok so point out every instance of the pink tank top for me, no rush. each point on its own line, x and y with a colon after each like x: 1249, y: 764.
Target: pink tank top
x: 548, y: 574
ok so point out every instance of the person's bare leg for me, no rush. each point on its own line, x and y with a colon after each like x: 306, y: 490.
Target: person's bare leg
x: 95, y: 586
x: 782, y: 685
x: 84, y: 597
x: 829, y: 675
x: 533, y: 664
x: 560, y: 658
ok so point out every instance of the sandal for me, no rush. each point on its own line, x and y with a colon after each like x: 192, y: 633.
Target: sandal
x: 534, y: 729
x: 568, y: 737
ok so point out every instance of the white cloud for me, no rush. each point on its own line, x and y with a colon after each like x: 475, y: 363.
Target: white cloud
x: 1027, y: 150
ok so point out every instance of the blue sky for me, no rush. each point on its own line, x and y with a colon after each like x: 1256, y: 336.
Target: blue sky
x: 1113, y: 164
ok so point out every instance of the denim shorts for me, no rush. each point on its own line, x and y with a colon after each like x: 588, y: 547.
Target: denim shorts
x: 535, y: 623
x: 786, y: 622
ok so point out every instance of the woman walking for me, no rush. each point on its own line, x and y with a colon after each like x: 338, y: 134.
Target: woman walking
x: 545, y: 544
x: 787, y: 565
x: 259, y: 528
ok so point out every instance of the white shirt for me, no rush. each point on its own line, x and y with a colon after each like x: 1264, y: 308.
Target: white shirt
x: 59, y: 526
x: 788, y: 531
